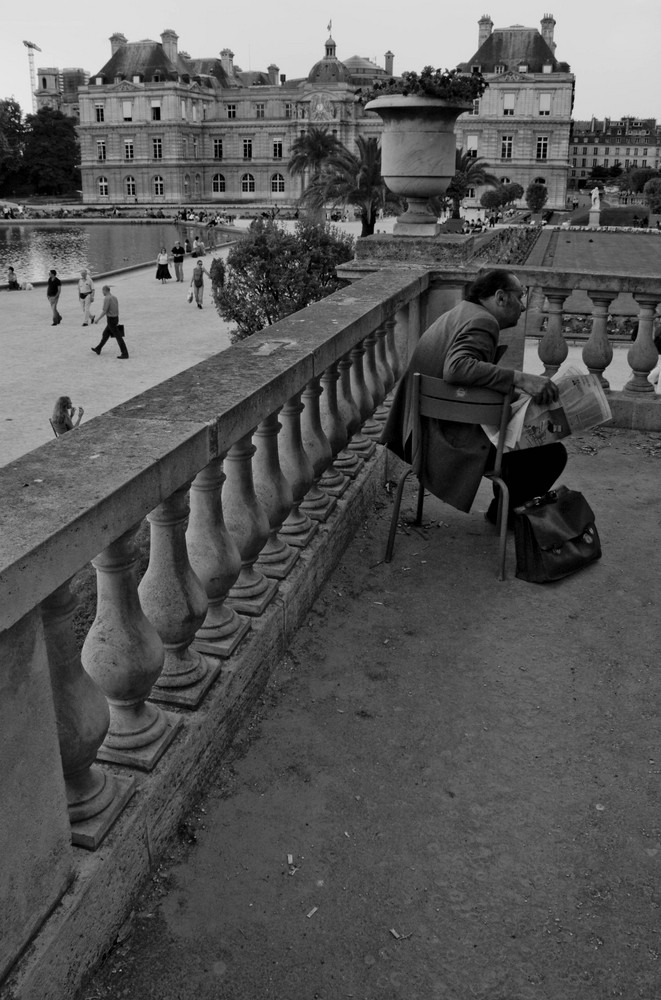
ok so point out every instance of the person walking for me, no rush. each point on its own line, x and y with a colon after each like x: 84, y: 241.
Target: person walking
x: 113, y: 329
x: 53, y: 289
x: 163, y: 271
x: 178, y: 254
x: 86, y: 296
x: 197, y: 282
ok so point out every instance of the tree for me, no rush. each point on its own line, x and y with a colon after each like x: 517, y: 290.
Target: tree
x: 347, y: 178
x: 512, y: 192
x: 311, y: 150
x: 273, y: 273
x: 470, y: 172
x: 536, y: 196
x: 11, y: 144
x: 492, y: 198
x: 652, y: 194
x: 52, y: 152
x: 635, y: 178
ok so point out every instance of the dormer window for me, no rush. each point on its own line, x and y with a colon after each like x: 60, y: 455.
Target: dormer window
x: 99, y: 81
x: 137, y: 78
x: 499, y: 68
x: 475, y: 68
x: 547, y: 68
x: 523, y: 67
x: 156, y: 78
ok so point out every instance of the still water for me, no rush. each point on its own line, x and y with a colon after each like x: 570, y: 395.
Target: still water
x: 32, y: 250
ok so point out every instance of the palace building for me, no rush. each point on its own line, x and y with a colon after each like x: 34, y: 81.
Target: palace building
x: 159, y: 127
x: 521, y: 125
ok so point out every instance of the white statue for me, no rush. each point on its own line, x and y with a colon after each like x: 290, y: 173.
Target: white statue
x: 595, y: 197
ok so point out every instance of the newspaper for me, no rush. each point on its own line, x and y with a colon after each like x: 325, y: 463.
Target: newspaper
x: 581, y: 405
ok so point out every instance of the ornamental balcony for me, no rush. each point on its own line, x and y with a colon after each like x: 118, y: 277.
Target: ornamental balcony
x: 213, y: 508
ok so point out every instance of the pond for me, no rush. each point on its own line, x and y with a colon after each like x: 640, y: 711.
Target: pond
x: 32, y: 250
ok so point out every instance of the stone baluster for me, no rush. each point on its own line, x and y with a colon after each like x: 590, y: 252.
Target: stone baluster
x: 216, y: 561
x: 346, y: 465
x: 383, y: 361
x: 643, y: 355
x: 124, y: 654
x: 598, y: 352
x: 361, y: 393
x: 275, y: 496
x: 298, y: 529
x: 373, y: 427
x: 249, y: 525
x: 351, y: 411
x: 317, y: 504
x: 176, y: 604
x: 553, y: 349
x: 95, y: 797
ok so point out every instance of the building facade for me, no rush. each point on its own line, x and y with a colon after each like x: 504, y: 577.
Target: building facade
x: 58, y: 89
x: 159, y: 127
x: 626, y: 143
x: 521, y: 125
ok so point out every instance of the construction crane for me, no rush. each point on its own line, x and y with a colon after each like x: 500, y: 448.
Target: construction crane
x: 30, y: 46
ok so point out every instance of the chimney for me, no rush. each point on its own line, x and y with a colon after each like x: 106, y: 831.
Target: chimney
x: 117, y: 41
x: 390, y: 62
x: 227, y: 61
x: 283, y: 78
x: 486, y: 27
x: 548, y: 24
x: 169, y: 40
x: 273, y: 72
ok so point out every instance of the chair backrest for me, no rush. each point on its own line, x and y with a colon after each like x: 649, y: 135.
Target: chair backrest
x: 440, y: 400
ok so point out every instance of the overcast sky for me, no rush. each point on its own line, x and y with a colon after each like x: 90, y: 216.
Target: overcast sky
x: 613, y: 50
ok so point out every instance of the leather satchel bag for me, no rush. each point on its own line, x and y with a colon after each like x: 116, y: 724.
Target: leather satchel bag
x: 555, y: 535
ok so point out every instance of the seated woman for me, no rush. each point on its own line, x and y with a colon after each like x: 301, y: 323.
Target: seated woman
x: 12, y: 280
x: 63, y: 416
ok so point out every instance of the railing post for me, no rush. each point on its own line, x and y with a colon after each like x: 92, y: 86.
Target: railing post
x: 385, y: 369
x: 298, y: 529
x: 176, y: 604
x: 95, y: 797
x: 275, y: 496
x: 124, y: 654
x: 364, y: 400
x: 35, y: 836
x: 346, y: 463
x: 352, y: 413
x: 316, y: 504
x: 215, y: 559
x: 375, y: 387
x: 643, y: 355
x: 553, y: 348
x: 248, y: 523
x: 598, y: 351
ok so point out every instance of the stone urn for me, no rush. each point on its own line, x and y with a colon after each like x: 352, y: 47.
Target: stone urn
x: 418, y: 154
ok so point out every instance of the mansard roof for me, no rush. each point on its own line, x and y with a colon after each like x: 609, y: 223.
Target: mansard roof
x: 145, y: 58
x: 513, y: 47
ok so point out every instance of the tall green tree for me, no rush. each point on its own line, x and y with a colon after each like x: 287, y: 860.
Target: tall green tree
x: 536, y: 196
x: 12, y: 133
x: 311, y: 150
x: 652, y: 194
x: 470, y: 172
x: 347, y: 178
x: 272, y: 273
x: 52, y: 152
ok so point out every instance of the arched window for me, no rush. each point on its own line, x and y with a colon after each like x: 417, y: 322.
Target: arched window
x: 247, y: 183
x: 540, y: 180
x: 218, y: 184
x: 505, y: 180
x: 103, y: 187
x: 277, y: 183
x: 129, y: 186
x: 198, y: 185
x: 186, y: 185
x: 159, y: 186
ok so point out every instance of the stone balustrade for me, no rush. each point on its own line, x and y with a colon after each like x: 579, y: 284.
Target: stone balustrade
x: 245, y: 466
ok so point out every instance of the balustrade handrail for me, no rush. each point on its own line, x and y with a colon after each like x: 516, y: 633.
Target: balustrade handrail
x: 64, y: 502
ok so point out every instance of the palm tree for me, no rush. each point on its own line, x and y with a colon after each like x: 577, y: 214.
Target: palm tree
x: 470, y: 172
x: 310, y: 150
x: 347, y: 178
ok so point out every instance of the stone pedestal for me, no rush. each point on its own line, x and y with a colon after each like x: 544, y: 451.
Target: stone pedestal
x: 593, y: 218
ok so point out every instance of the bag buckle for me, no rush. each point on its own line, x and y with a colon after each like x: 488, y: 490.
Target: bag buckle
x: 545, y: 498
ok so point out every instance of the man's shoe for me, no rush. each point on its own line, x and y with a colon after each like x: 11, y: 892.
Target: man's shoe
x: 122, y: 357
x: 84, y: 324
x: 97, y: 350
x: 199, y: 306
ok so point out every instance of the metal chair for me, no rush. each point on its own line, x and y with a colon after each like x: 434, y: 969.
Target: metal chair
x: 439, y: 400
